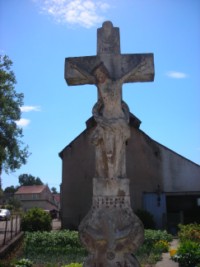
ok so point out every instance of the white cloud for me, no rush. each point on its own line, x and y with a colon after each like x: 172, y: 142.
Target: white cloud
x: 176, y: 74
x: 29, y: 108
x: 23, y: 122
x: 85, y: 13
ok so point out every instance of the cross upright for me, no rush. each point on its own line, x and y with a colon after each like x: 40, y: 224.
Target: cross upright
x: 135, y: 67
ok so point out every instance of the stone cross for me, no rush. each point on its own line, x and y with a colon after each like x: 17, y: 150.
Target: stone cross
x: 116, y: 69
x: 110, y: 231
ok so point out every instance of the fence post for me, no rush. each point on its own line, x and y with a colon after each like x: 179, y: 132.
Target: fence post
x: 5, y: 232
x: 18, y: 224
x: 12, y: 218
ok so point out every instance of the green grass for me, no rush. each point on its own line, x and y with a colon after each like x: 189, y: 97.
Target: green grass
x: 60, y: 248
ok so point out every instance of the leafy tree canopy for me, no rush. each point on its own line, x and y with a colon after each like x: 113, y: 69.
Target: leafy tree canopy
x: 11, y: 189
x: 13, y: 204
x: 54, y: 190
x: 28, y: 179
x: 12, y: 152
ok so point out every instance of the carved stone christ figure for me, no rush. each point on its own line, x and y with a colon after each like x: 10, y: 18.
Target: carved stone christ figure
x: 112, y: 130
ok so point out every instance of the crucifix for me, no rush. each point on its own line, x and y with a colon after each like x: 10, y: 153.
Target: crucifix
x: 108, y: 71
x: 109, y: 239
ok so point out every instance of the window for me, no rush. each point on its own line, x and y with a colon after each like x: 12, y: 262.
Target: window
x: 35, y: 196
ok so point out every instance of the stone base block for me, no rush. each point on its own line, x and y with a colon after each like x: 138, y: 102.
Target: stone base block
x: 111, y: 232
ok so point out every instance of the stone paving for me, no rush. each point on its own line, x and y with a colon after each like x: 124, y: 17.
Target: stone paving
x: 166, y: 260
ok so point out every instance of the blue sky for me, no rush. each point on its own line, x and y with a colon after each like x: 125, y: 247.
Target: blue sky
x: 37, y: 35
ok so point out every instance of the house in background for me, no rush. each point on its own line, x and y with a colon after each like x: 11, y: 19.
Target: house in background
x: 56, y: 198
x: 36, y: 196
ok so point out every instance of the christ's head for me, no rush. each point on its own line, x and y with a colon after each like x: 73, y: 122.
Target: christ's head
x: 100, y: 73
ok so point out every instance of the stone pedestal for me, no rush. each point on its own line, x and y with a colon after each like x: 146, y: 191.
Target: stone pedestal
x: 111, y: 232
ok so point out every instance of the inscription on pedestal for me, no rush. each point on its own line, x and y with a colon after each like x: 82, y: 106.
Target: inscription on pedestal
x: 110, y: 202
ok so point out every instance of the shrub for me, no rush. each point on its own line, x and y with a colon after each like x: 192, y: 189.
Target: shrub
x: 188, y: 254
x: 152, y: 236
x: 74, y: 265
x: 155, y: 243
x: 52, y: 242
x: 146, y: 218
x: 161, y: 246
x: 189, y: 232
x: 36, y: 219
x: 54, y: 247
x: 24, y: 263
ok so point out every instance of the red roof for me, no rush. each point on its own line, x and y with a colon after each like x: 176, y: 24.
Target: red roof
x: 57, y: 197
x: 31, y: 189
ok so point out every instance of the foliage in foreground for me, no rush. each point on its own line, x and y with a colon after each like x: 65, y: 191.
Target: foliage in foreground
x: 155, y: 243
x: 63, y: 247
x: 53, y: 247
x: 189, y: 232
x: 74, y: 265
x: 36, y: 219
x: 188, y: 252
x: 24, y: 263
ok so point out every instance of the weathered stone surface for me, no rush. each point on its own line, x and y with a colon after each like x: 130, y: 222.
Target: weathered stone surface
x: 140, y: 67
x: 112, y: 131
x: 130, y: 67
x: 111, y: 231
x: 108, y: 40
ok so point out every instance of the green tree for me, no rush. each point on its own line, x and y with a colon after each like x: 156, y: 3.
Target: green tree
x: 13, y: 154
x: 13, y: 204
x: 1, y: 193
x: 54, y: 190
x: 11, y: 189
x: 28, y: 179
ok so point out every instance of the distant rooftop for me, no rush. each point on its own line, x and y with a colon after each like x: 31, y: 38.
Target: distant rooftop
x: 57, y: 197
x: 31, y: 189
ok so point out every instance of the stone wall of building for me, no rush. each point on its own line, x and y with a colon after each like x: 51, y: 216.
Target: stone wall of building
x: 179, y: 174
x: 77, y: 174
x: 149, y: 165
x: 144, y: 166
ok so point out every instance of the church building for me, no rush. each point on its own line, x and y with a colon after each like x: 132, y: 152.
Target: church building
x: 162, y: 182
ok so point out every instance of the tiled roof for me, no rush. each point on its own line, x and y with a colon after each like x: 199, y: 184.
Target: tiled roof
x: 56, y: 197
x: 31, y: 189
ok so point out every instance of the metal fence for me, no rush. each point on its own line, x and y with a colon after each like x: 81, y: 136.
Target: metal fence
x: 9, y: 229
